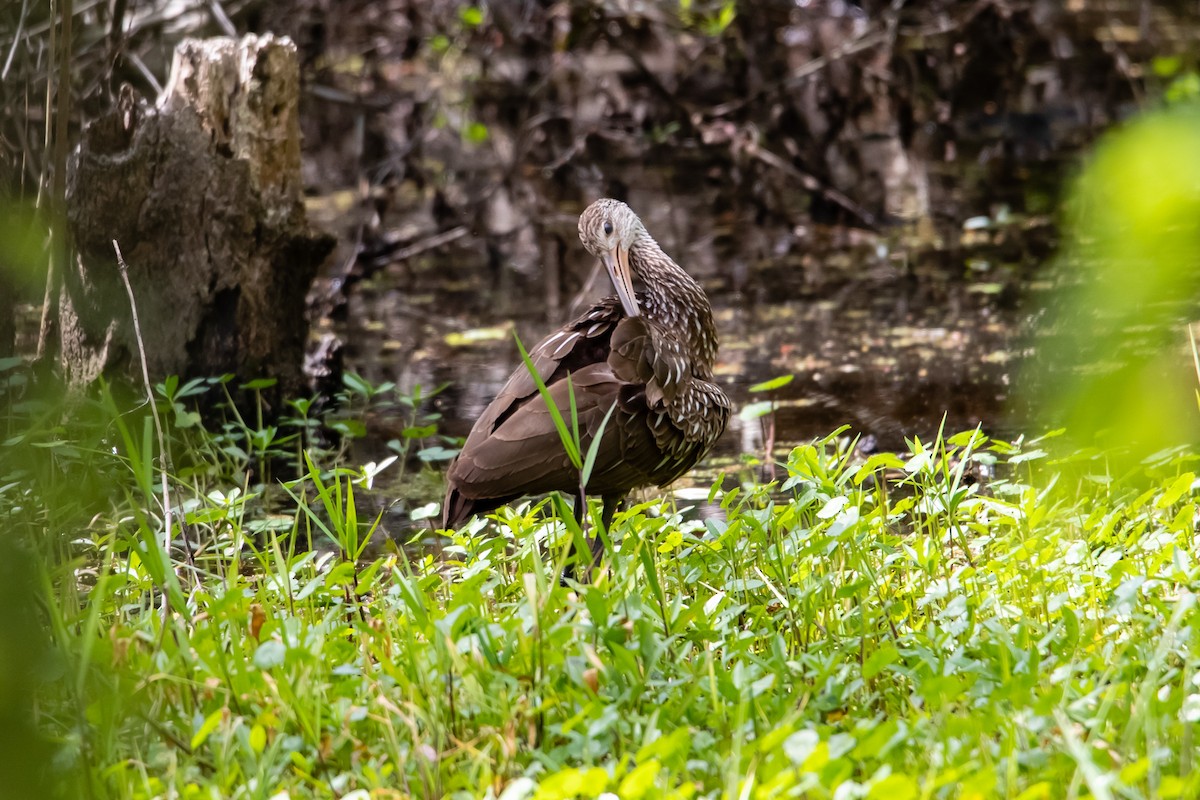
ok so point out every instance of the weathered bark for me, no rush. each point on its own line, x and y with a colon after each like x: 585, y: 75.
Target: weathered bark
x: 203, y: 194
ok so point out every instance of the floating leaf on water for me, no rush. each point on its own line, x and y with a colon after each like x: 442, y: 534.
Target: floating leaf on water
x: 752, y: 411
x: 771, y: 385
x: 335, y: 203
x: 493, y: 333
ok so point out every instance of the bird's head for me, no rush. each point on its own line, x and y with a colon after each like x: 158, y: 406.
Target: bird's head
x: 608, y: 228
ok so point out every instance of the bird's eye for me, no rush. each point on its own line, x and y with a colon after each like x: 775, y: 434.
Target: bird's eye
x: 608, y: 228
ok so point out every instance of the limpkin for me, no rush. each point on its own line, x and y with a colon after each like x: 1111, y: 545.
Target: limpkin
x: 648, y: 349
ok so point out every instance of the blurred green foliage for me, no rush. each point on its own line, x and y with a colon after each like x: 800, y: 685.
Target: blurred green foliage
x: 710, y: 17
x: 1117, y: 366
x: 22, y: 248
x: 471, y: 16
x: 1182, y: 85
x: 24, y: 751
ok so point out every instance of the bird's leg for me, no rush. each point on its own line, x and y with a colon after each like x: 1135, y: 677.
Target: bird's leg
x: 581, y: 511
x: 612, y: 503
x: 580, y: 518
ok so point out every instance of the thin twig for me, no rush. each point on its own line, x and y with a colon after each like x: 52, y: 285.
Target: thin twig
x: 852, y: 47
x: 221, y: 18
x: 148, y: 76
x: 168, y: 521
x: 429, y: 243
x: 116, y: 31
x: 48, y: 126
x: 62, y: 110
x: 16, y: 39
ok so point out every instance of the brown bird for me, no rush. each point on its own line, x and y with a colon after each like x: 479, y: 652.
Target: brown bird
x: 648, y: 350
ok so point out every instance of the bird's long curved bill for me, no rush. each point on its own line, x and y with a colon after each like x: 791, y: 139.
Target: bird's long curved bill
x: 616, y: 261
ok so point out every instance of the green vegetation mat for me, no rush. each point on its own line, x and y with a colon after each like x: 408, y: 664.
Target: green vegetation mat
x: 970, y: 619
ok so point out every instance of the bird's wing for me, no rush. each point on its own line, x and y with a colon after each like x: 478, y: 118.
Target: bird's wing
x: 609, y: 359
x: 572, y: 347
x: 524, y: 453
x: 644, y: 353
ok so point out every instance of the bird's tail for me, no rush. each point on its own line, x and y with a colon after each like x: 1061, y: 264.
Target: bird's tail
x: 456, y: 509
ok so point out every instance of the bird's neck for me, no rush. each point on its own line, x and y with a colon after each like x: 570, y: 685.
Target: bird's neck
x: 675, y: 300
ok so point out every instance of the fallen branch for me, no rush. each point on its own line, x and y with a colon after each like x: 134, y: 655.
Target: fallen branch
x: 430, y: 243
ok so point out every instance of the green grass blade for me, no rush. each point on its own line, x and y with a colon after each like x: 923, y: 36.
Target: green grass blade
x: 570, y: 442
x: 594, y: 447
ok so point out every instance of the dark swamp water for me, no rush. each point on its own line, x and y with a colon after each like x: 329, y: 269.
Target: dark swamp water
x: 875, y: 338
x: 870, y: 198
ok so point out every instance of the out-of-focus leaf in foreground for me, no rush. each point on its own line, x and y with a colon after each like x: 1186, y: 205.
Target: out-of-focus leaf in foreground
x: 1118, y: 365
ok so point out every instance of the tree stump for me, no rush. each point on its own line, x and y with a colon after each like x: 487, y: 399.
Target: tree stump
x: 203, y: 194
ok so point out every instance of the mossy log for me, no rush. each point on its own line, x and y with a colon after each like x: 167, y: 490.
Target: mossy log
x: 202, y: 192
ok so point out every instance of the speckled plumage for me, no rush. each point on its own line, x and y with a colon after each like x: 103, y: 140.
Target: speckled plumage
x: 655, y: 365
